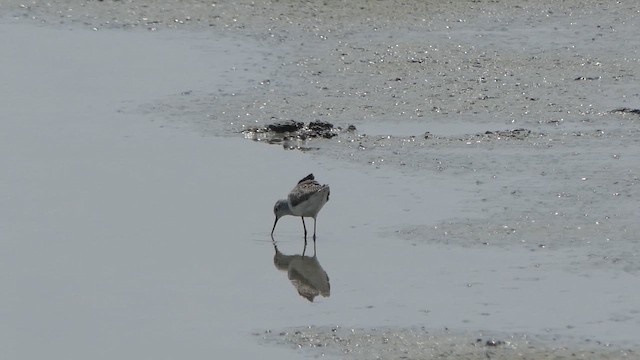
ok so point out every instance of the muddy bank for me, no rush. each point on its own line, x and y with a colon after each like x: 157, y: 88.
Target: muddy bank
x: 420, y: 343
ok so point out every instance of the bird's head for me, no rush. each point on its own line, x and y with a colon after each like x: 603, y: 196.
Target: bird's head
x: 280, y: 209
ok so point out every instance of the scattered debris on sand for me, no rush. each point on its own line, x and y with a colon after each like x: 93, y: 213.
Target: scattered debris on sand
x: 421, y: 343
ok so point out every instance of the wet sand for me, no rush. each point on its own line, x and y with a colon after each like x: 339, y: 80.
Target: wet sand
x: 540, y: 225
x: 420, y: 343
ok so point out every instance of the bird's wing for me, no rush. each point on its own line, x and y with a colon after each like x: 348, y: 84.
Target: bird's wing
x: 308, y: 177
x: 303, y: 191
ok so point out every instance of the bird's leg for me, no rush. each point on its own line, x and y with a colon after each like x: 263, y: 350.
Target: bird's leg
x: 314, y: 246
x: 314, y: 230
x: 305, y: 229
x: 274, y: 243
x: 314, y: 236
x: 305, y: 245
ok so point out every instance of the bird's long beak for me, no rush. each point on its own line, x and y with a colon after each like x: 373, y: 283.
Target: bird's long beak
x: 274, y: 226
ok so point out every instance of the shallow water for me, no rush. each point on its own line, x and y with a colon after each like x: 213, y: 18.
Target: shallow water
x: 123, y: 238
x: 119, y: 236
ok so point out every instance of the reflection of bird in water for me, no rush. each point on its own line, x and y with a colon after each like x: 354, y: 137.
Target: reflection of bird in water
x: 304, y: 272
x: 305, y: 200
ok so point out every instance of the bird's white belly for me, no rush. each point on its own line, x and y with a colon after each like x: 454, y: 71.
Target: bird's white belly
x: 311, y: 206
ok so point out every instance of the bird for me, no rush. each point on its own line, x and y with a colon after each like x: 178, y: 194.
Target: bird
x: 305, y: 200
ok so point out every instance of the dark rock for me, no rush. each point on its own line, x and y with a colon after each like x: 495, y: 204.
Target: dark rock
x: 290, y: 133
x: 513, y: 134
x: 494, y: 342
x: 320, y: 126
x: 627, y: 111
x: 321, y: 129
x: 285, y: 126
x: 328, y: 135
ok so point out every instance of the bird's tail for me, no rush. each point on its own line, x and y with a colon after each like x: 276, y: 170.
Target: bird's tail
x: 308, y: 177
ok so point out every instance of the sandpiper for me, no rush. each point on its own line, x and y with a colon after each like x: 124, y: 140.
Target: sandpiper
x: 305, y: 200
